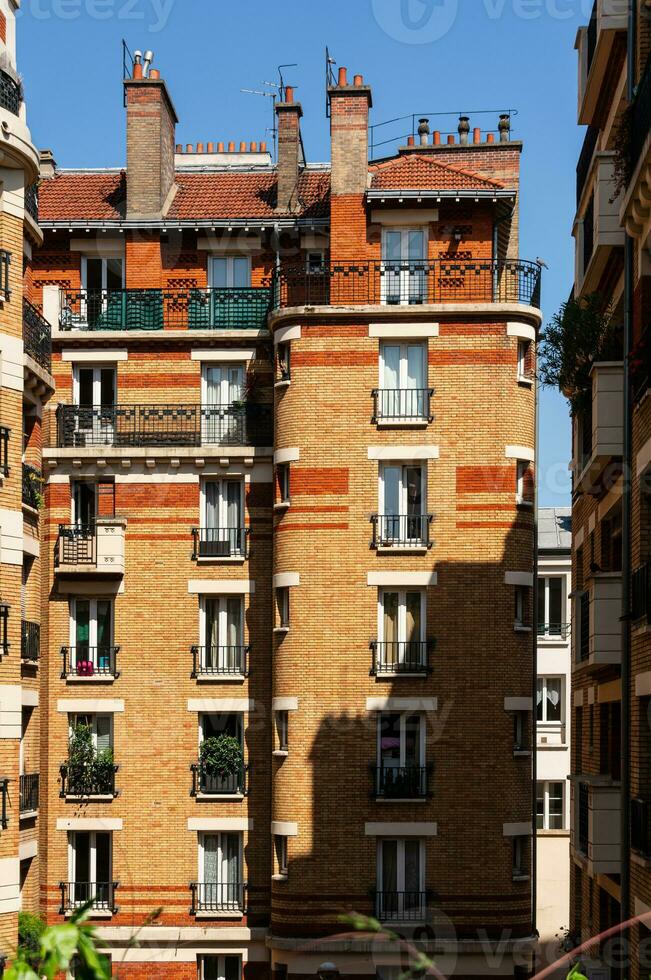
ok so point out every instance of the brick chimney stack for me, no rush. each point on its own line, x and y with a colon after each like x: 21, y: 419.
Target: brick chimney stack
x: 151, y: 121
x: 289, y: 152
x: 349, y: 108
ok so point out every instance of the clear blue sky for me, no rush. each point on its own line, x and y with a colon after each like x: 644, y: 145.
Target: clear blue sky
x: 418, y: 55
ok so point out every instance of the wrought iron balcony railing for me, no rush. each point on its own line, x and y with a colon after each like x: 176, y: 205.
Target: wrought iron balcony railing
x: 641, y: 826
x: 401, y: 782
x: 29, y: 785
x: 4, y: 803
x: 98, y: 662
x: 11, y: 93
x: 402, y: 405
x: 641, y: 593
x: 401, y: 530
x: 220, y: 542
x: 400, y: 656
x: 32, y: 486
x: 37, y: 336
x: 410, y: 283
x: 553, y: 631
x: 217, y: 897
x: 5, y: 433
x: 31, y: 201
x: 76, y: 545
x: 218, y: 308
x: 5, y: 263
x: 100, y: 893
x: 95, y: 779
x: 236, y: 424
x: 30, y: 641
x: 401, y: 906
x: 209, y: 784
x: 217, y: 661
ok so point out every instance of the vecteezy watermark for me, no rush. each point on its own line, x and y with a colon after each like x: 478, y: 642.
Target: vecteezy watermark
x: 152, y: 15
x: 425, y: 21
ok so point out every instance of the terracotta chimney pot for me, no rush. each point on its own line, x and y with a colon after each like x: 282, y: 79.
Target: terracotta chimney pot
x: 342, y: 79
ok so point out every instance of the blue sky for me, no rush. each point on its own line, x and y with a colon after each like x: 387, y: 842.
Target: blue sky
x: 418, y: 55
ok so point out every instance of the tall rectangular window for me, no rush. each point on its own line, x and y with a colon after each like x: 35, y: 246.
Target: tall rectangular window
x: 90, y: 869
x: 222, y: 533
x: 401, y: 625
x: 220, y: 886
x: 401, y: 879
x: 402, y: 493
x: 404, y: 254
x: 403, y: 382
x: 549, y: 701
x: 551, y: 607
x: 549, y: 805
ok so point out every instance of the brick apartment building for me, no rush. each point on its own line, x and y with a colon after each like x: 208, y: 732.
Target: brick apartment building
x: 288, y: 515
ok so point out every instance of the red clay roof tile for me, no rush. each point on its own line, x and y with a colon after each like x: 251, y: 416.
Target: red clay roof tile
x: 418, y: 172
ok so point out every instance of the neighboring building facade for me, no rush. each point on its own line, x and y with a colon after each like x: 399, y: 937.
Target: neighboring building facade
x: 553, y: 722
x: 289, y: 502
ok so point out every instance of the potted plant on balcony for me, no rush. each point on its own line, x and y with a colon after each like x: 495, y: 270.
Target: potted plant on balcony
x: 220, y: 760
x: 87, y: 771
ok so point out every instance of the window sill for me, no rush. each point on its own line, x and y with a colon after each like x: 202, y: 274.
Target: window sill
x: 525, y: 382
x: 401, y: 799
x: 280, y: 753
x: 284, y: 383
x: 91, y: 678
x: 525, y: 504
x: 519, y: 628
x: 27, y: 508
x: 206, y: 914
x: 282, y: 505
x: 521, y: 753
x: 521, y: 878
x: 419, y: 549
x: 552, y: 833
x: 234, y: 797
x: 281, y: 630
x: 220, y: 678
x: 402, y: 423
x: 94, y: 798
x: 280, y: 877
x: 387, y: 676
x: 28, y: 815
x: 92, y: 914
x: 221, y: 560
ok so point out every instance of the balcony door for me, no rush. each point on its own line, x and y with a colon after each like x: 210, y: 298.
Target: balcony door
x: 222, y: 639
x: 89, y: 862
x: 403, y: 380
x: 401, y: 879
x: 101, y: 727
x: 220, y: 967
x: 404, y: 273
x: 551, y: 607
x: 102, y: 283
x: 220, y: 874
x: 91, y: 636
x: 401, y: 625
x: 94, y: 392
x: 230, y: 272
x: 223, y: 523
x: 402, y: 504
x: 84, y: 504
x: 223, y: 389
x: 400, y: 754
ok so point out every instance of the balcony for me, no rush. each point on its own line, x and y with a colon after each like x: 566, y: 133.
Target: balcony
x: 101, y: 895
x: 402, y: 406
x: 86, y: 550
x: 206, y: 785
x: 553, y: 631
x: 131, y: 426
x: 30, y: 641
x: 37, y: 336
x: 410, y: 284
x: 90, y: 663
x: 28, y: 793
x: 32, y: 487
x: 400, y: 658
x: 165, y: 309
x: 213, y: 899
x: 219, y: 663
x: 605, y: 638
x: 602, y: 440
x: 11, y: 93
x: 5, y: 434
x: 636, y: 210
x: 401, y: 906
x: 220, y: 542
x: 95, y: 781
x: 597, y: 228
x: 584, y: 165
x: 597, y: 823
x: 596, y: 44
x: 401, y: 782
x: 401, y: 532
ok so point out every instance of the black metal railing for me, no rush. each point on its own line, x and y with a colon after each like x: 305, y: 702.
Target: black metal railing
x: 32, y: 486
x: 11, y: 93
x: 5, y: 433
x: 37, y: 336
x: 95, y: 779
x: 5, y: 263
x: 641, y: 592
x: 588, y: 233
x: 401, y: 782
x: 4, y: 803
x: 28, y: 793
x: 219, y: 308
x: 640, y: 123
x: 553, y: 631
x: 227, y: 896
x: 640, y: 826
x: 401, y: 906
x: 100, y: 893
x: 31, y: 200
x: 584, y: 818
x: 237, y: 424
x: 400, y: 656
x: 585, y: 160
x: 410, y: 283
x: 30, y: 641
x: 81, y: 661
x: 401, y: 530
x: 212, y: 784
x: 76, y: 545
x: 220, y: 542
x: 216, y: 661
x: 402, y: 404
x: 584, y: 626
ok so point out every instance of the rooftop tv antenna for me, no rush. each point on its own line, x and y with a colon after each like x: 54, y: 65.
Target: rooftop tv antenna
x: 277, y: 94
x: 329, y: 77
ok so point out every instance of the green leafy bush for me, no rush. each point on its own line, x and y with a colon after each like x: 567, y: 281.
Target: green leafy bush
x: 30, y: 931
x: 221, y: 755
x: 87, y: 770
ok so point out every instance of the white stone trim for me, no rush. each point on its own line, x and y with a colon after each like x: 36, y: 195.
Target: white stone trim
x: 591, y: 695
x: 11, y: 362
x: 221, y: 587
x: 403, y: 452
x: 11, y: 711
x: 221, y: 704
x: 643, y: 684
x: 51, y: 303
x: 519, y: 578
x: 89, y: 823
x: 284, y: 580
x: 98, y: 356
x: 220, y: 823
x: 523, y: 330
x: 289, y: 455
x: 282, y: 334
x: 194, y: 939
x: 27, y: 849
x: 89, y: 706
x: 402, y: 704
x: 29, y: 697
x: 244, y: 354
x: 522, y: 829
x: 11, y: 536
x: 284, y: 828
x: 284, y: 704
x: 408, y: 331
x: 9, y: 884
x: 520, y: 452
x: 518, y: 704
x: 401, y: 578
x: 401, y: 829
x: 578, y: 538
x: 578, y: 699
x: 31, y: 546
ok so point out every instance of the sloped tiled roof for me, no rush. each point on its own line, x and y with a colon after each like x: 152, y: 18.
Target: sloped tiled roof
x: 555, y: 528
x: 418, y: 172
x: 79, y: 196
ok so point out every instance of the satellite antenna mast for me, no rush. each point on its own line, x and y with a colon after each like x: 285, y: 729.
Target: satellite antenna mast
x: 278, y: 93
x: 329, y: 77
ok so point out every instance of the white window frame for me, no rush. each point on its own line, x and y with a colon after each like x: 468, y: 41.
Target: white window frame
x: 220, y: 835
x: 92, y: 626
x: 545, y: 784
x: 97, y: 380
x: 281, y: 719
x: 223, y: 499
x: 281, y: 858
x: 228, y: 257
x: 221, y: 964
x: 223, y: 624
x: 104, y: 260
x: 403, y: 486
x: 404, y: 362
x: 75, y: 718
x: 545, y: 678
x: 92, y: 840
x: 404, y: 259
x: 224, y: 386
x: 309, y: 255
x: 521, y: 469
x: 402, y: 612
x: 400, y: 878
x: 74, y: 502
x: 546, y: 620
x: 403, y: 720
x: 521, y: 599
x: 524, y: 347
x: 282, y: 608
x: 284, y: 485
x: 236, y: 714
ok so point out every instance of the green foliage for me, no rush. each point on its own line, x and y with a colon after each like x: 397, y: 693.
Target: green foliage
x: 88, y: 771
x: 221, y: 755
x: 30, y: 930
x: 58, y: 946
x: 582, y: 332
